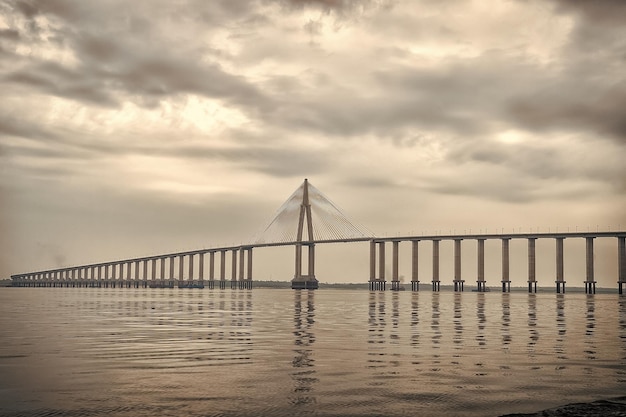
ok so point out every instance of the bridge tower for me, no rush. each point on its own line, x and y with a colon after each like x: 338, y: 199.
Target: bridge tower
x: 300, y: 280
x: 308, y: 217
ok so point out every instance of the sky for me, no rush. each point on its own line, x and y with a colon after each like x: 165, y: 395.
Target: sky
x: 137, y: 128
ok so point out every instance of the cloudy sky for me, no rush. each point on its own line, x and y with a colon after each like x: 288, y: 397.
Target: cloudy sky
x: 144, y: 127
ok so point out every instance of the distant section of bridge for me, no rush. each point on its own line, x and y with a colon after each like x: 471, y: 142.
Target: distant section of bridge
x: 306, y: 219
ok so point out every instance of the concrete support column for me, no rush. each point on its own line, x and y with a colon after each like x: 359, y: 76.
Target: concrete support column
x: 129, y: 270
x: 381, y: 259
x: 181, y: 269
x: 377, y: 283
x: 145, y: 270
x: 249, y: 275
x: 506, y: 281
x: 242, y: 265
x: 223, y: 269
x: 415, y: 266
x: 153, y: 272
x: 560, y: 281
x: 311, y: 260
x: 172, y: 261
x: 590, y: 283
x: 298, y: 266
x: 201, y: 267
x: 458, y: 281
x: 190, y: 278
x: 621, y: 263
x: 113, y: 271
x: 436, y: 283
x: 162, y: 264
x: 532, y: 269
x: 372, y: 262
x: 136, y: 276
x: 395, y: 279
x: 211, y: 270
x: 394, y: 260
x: 233, y: 276
x: 480, y: 280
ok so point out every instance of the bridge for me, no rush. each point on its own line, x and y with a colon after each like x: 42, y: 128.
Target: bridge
x: 308, y: 218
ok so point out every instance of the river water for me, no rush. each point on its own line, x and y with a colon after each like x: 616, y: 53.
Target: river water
x: 279, y: 352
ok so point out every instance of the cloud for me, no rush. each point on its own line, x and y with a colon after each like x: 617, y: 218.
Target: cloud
x: 599, y: 12
x: 597, y: 111
x: 342, y: 6
x: 106, y: 65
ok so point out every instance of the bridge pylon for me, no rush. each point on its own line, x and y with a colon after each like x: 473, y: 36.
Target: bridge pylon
x: 306, y: 281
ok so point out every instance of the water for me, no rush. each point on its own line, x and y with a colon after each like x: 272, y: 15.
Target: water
x: 145, y: 352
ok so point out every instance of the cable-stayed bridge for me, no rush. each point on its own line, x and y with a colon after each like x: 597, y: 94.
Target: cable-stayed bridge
x: 308, y: 218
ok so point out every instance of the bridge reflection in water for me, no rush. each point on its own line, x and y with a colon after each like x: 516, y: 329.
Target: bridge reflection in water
x: 303, y: 362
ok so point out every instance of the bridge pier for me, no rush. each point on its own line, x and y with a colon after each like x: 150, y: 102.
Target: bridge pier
x: 560, y: 281
x: 245, y: 272
x: 211, y: 270
x: 162, y: 261
x: 190, y: 279
x: 242, y: 265
x: 436, y: 283
x: 480, y: 280
x: 249, y: 276
x: 590, y: 283
x: 532, y: 281
x: 223, y: 269
x: 201, y: 269
x: 457, y: 265
x: 233, y: 278
x: 395, y: 280
x: 145, y: 273
x: 415, y: 282
x: 377, y: 284
x: 181, y: 271
x: 621, y: 263
x: 308, y: 281
x: 506, y: 281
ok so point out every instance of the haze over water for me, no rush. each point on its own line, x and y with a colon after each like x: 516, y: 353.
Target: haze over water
x: 144, y: 352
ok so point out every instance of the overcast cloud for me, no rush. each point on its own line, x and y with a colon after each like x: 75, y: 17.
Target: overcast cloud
x: 134, y: 128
